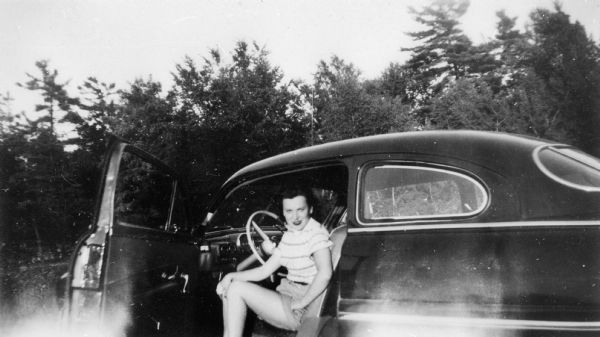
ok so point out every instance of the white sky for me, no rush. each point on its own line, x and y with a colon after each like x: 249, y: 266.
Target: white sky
x: 117, y: 41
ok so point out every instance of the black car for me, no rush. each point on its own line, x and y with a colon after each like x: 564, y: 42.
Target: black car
x: 436, y: 233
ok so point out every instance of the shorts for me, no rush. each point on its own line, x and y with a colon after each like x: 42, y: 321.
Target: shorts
x: 289, y: 291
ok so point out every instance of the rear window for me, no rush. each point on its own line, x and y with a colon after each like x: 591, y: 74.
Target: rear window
x: 404, y: 192
x: 533, y: 273
x: 569, y: 166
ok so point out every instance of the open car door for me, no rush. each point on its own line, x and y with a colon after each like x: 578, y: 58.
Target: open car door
x: 135, y: 271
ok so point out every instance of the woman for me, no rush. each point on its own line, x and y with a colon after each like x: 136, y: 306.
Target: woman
x: 304, y: 250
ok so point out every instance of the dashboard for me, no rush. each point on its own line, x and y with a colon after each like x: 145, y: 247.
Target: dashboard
x: 224, y: 252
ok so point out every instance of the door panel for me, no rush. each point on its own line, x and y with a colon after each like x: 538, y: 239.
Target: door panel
x: 137, y: 267
x: 152, y: 274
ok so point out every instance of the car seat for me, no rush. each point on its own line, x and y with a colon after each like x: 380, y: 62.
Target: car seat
x: 310, y: 321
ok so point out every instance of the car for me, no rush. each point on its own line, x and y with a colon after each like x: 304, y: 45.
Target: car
x: 436, y: 233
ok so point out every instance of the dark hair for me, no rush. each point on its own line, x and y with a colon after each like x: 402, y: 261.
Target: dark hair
x: 292, y: 191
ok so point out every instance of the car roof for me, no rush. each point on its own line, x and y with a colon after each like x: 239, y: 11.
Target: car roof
x: 481, y: 147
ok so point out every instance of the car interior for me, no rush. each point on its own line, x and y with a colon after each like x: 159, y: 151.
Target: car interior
x: 230, y: 237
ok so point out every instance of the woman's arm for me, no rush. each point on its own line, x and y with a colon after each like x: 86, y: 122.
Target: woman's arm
x: 254, y: 274
x: 322, y: 258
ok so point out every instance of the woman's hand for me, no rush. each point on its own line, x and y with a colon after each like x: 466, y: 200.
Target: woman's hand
x: 223, y: 285
x: 268, y: 246
x: 296, y: 305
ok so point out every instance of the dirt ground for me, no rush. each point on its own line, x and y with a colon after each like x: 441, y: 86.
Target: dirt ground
x: 28, y: 292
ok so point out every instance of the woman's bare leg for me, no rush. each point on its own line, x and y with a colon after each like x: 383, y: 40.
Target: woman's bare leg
x: 264, y: 302
x: 225, y: 319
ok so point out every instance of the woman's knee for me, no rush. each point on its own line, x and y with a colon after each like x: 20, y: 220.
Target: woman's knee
x: 236, y: 288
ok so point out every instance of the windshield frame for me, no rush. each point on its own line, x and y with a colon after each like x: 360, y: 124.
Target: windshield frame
x: 232, y: 187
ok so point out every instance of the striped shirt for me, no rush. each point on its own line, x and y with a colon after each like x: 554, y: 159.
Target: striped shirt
x: 296, y: 249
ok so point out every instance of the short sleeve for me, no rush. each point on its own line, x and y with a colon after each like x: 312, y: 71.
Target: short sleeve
x: 319, y: 240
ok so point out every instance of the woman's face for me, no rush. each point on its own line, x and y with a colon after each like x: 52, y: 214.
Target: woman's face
x: 296, y: 212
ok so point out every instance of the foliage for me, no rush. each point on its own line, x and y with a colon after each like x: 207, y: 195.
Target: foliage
x: 394, y: 82
x: 472, y: 104
x: 6, y: 117
x: 54, y: 94
x: 568, y: 61
x: 543, y: 82
x: 95, y: 116
x: 443, y: 52
x: 346, y: 108
x: 244, y: 111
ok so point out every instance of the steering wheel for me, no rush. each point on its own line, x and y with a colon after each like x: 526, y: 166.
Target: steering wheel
x: 249, y: 224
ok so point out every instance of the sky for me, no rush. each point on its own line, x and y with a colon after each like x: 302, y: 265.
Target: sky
x: 119, y: 41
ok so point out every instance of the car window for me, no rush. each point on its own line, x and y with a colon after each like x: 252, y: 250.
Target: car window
x: 534, y: 273
x: 569, y: 166
x: 143, y: 193
x: 397, y: 192
x: 328, y: 185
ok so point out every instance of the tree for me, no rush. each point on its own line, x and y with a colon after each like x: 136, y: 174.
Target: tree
x: 239, y: 111
x: 144, y: 117
x: 514, y: 44
x: 341, y: 103
x: 568, y: 61
x: 6, y: 116
x: 243, y: 107
x: 394, y: 82
x: 545, y: 84
x: 443, y: 52
x: 346, y: 107
x: 535, y: 104
x: 95, y: 116
x: 37, y: 173
x: 470, y: 103
x: 55, y: 97
x: 35, y: 186
x: 38, y: 189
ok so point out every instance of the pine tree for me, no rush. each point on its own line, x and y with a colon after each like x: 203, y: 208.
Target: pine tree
x: 56, y: 101
x: 444, y: 51
x: 95, y: 115
x: 6, y: 115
